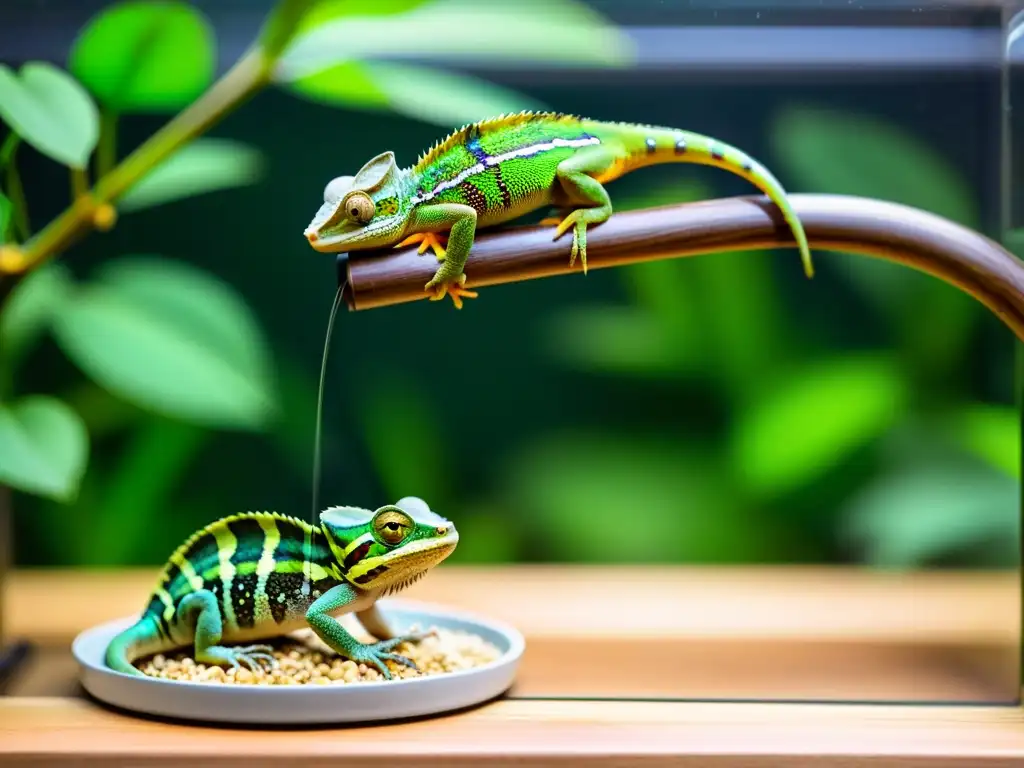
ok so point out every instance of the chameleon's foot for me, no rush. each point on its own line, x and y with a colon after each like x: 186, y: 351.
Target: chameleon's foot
x: 377, y: 653
x: 427, y: 240
x: 577, y: 221
x: 441, y: 288
x: 249, y: 655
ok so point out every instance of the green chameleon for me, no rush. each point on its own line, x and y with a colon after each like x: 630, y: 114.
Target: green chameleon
x: 248, y: 576
x: 489, y: 172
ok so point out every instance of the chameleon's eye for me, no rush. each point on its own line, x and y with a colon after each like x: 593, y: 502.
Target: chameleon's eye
x: 391, y: 526
x: 359, y: 207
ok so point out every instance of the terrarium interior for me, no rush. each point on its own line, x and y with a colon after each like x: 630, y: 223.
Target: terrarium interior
x: 721, y: 412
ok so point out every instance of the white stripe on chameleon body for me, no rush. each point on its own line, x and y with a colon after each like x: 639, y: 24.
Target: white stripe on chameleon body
x: 529, y: 151
x: 226, y: 545
x: 265, y: 566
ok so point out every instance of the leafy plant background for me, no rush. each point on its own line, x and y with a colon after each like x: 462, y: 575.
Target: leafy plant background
x: 164, y: 373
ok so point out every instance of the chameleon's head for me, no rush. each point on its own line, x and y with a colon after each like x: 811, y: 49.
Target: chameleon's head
x: 388, y: 548
x: 367, y: 210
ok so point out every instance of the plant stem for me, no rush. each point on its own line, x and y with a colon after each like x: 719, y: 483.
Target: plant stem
x: 106, y: 150
x: 79, y: 183
x: 16, y: 194
x: 7, y: 149
x: 248, y: 75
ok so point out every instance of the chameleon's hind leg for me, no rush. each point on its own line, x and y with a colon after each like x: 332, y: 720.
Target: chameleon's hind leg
x: 374, y: 623
x: 557, y: 214
x: 581, y: 187
x: 201, y: 612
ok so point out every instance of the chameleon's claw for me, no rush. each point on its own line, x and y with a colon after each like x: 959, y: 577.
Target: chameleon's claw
x: 454, y: 289
x: 377, y: 653
x: 579, y: 237
x: 427, y: 240
x: 249, y: 655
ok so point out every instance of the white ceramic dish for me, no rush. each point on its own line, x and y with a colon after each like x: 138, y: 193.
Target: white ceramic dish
x: 311, y: 704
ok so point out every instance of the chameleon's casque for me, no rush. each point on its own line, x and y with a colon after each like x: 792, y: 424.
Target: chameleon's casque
x: 490, y: 172
x: 259, y: 575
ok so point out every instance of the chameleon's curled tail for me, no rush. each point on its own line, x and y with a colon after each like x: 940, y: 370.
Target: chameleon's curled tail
x: 140, y: 639
x: 662, y: 145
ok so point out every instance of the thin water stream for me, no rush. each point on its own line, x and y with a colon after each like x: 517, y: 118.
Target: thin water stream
x: 315, y: 495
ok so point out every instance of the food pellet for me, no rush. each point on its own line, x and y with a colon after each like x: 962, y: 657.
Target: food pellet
x: 302, y: 659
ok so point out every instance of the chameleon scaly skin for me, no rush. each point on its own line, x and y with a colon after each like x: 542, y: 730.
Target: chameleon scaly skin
x: 489, y: 172
x: 247, y: 577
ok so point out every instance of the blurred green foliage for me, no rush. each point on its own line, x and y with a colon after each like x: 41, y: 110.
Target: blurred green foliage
x: 171, y: 351
x: 727, y: 426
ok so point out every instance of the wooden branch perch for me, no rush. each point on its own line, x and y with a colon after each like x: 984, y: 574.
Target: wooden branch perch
x: 934, y: 245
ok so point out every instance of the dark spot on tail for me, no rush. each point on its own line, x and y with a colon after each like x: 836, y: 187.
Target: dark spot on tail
x: 680, y: 146
x: 716, y: 153
x: 651, y: 145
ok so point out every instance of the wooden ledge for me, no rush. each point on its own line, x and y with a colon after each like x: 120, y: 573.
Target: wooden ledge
x: 538, y: 733
x: 619, y: 633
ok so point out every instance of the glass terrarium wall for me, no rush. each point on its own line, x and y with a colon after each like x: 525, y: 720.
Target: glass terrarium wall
x: 717, y: 412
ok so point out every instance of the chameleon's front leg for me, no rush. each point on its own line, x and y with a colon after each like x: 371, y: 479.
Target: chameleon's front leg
x: 574, y: 175
x: 460, y: 220
x: 338, y: 638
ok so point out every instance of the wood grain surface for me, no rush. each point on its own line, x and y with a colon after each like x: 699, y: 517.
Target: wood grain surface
x: 624, y: 634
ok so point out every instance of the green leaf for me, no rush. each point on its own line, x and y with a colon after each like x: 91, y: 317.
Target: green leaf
x: 419, y: 92
x: 204, y: 165
x: 619, y: 340
x: 444, y: 98
x: 915, y: 516
x: 1013, y: 239
x: 326, y: 11
x: 44, y: 447
x: 150, y: 55
x: 348, y: 84
x: 582, y: 495
x: 138, y: 491
x: 546, y: 31
x: 852, y: 154
x: 405, y: 440
x: 992, y: 433
x: 845, y: 153
x: 31, y: 307
x: 814, y: 419
x: 281, y: 24
x: 173, y: 340
x: 50, y: 110
x: 485, y: 535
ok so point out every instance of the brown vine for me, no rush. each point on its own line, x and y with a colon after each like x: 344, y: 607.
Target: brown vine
x: 937, y: 246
